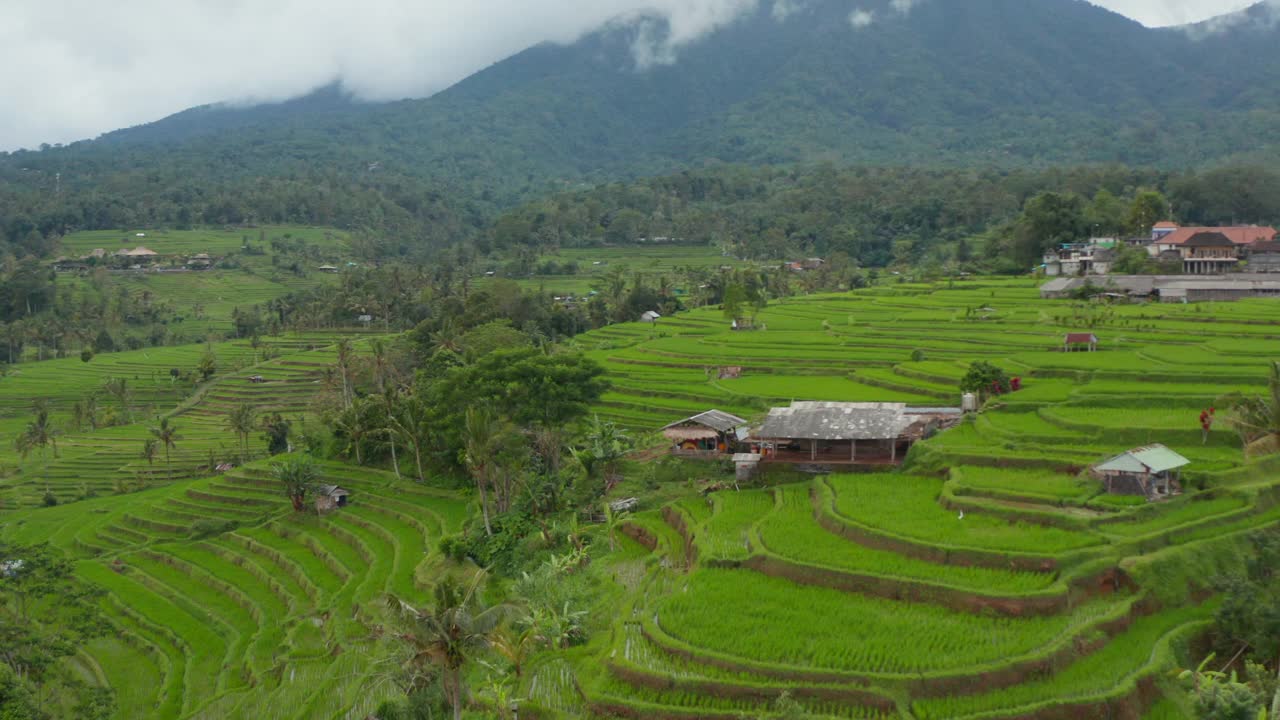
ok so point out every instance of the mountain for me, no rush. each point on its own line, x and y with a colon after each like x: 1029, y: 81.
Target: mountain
x: 1005, y: 83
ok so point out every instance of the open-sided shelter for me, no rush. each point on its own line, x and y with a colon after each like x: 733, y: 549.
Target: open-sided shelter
x: 1080, y: 341
x: 1153, y: 471
x: 713, y: 432
x: 331, y: 497
x: 846, y: 433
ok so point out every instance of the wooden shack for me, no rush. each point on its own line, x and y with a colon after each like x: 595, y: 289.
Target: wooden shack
x: 837, y: 433
x: 330, y: 497
x: 712, y: 433
x: 1153, y: 472
x: 1080, y: 341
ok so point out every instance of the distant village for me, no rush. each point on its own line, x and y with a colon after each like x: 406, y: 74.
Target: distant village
x: 1195, y: 264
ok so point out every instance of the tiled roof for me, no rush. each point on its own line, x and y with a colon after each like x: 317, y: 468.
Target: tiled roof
x: 1245, y: 235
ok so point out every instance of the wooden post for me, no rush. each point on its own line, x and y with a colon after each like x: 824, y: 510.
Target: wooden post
x: 813, y: 449
x: 893, y: 450
x: 853, y: 450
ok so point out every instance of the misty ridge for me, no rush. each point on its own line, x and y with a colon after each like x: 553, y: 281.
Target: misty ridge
x: 386, y: 50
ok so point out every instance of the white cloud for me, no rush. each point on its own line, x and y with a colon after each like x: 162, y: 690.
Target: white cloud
x: 783, y: 9
x: 861, y: 18
x: 75, y: 68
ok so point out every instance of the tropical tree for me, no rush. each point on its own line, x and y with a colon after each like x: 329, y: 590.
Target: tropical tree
x: 118, y: 388
x: 480, y: 441
x: 516, y: 644
x: 443, y: 638
x: 1257, y: 419
x: 275, y: 430
x: 241, y: 420
x: 167, y: 436
x: 605, y: 444
x: 39, y: 433
x: 298, y: 476
x: 149, y: 447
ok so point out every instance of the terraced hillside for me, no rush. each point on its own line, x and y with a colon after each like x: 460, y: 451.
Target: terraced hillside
x: 990, y: 578
x: 254, y: 266
x: 247, y: 619
x: 91, y: 460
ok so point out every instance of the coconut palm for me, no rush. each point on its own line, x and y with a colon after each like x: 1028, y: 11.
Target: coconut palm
x: 149, y: 447
x: 298, y: 475
x: 1257, y: 418
x: 443, y: 638
x: 242, y: 421
x: 167, y: 436
x: 119, y: 389
x: 480, y: 441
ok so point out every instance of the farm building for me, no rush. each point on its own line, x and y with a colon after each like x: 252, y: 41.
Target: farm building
x: 1080, y: 341
x: 330, y: 497
x: 650, y: 317
x: 836, y: 433
x: 711, y: 433
x: 1171, y: 288
x: 1152, y: 471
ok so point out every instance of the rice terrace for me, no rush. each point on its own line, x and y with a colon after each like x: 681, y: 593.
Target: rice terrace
x: 640, y: 360
x: 990, y: 576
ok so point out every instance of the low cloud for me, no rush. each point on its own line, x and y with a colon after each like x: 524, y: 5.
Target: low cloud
x: 1265, y: 16
x: 861, y: 18
x: 77, y: 68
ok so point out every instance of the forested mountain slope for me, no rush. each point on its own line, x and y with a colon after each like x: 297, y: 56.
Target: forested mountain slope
x: 978, y: 82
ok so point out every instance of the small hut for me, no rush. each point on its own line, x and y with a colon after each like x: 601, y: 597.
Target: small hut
x: 711, y: 433
x: 650, y: 317
x: 331, y: 497
x: 1153, y: 471
x: 1080, y: 341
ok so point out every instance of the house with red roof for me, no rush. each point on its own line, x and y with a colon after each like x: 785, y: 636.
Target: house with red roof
x: 1207, y: 250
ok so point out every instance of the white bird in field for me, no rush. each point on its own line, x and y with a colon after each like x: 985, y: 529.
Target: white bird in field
x: 961, y: 515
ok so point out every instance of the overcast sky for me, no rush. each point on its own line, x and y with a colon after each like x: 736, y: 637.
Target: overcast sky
x: 72, y: 69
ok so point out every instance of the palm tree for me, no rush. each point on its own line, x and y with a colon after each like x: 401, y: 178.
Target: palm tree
x: 149, y: 451
x: 39, y: 432
x: 298, y: 475
x: 167, y: 436
x: 612, y: 521
x: 241, y: 420
x: 119, y: 389
x: 480, y: 439
x: 606, y: 445
x: 444, y: 637
x: 516, y: 645
x: 1257, y: 418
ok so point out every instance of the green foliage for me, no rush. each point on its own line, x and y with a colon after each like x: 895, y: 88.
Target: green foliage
x: 1250, y: 612
x: 297, y: 475
x: 985, y: 379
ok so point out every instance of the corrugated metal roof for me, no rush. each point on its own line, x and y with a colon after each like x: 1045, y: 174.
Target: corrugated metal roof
x: 715, y: 419
x: 836, y: 421
x: 1150, y: 459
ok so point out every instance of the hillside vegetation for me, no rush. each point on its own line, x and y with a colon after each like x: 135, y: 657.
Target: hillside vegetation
x: 986, y: 579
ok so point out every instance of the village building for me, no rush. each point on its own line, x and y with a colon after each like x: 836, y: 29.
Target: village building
x: 327, y: 269
x: 1264, y: 257
x: 139, y: 254
x: 1089, y: 258
x: 839, y: 433
x: 331, y: 497
x: 712, y: 433
x: 650, y: 316
x: 1169, y: 288
x: 200, y: 261
x: 1080, y: 341
x: 1164, y: 237
x: 1153, y: 472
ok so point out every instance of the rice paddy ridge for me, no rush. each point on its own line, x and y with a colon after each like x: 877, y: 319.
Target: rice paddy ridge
x: 991, y: 519
x: 105, y: 460
x: 246, y: 619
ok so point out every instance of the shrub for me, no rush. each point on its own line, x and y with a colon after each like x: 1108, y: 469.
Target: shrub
x: 49, y: 499
x: 209, y: 528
